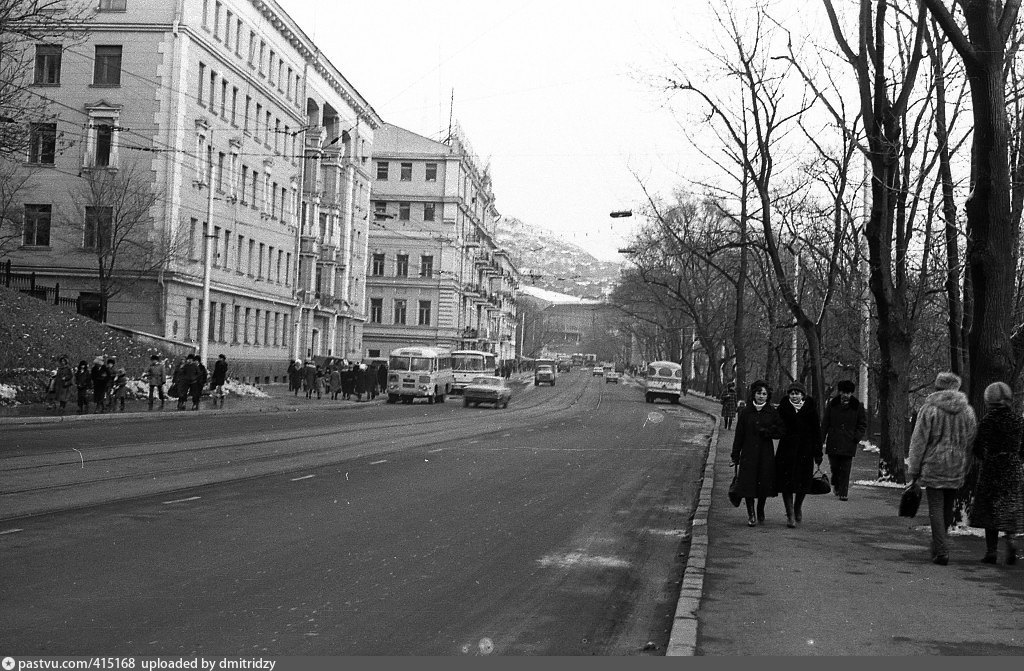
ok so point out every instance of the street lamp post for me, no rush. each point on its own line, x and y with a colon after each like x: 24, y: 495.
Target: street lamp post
x: 204, y: 320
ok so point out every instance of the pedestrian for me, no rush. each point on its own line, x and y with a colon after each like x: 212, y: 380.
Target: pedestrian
x: 998, y: 503
x: 62, y: 381
x: 156, y: 377
x: 348, y: 381
x: 119, y: 389
x: 729, y: 405
x: 189, y: 378
x: 753, y: 450
x: 178, y: 388
x: 295, y: 376
x: 51, y: 390
x: 359, y: 379
x: 369, y: 381
x: 220, y: 376
x: 83, y: 380
x: 101, y: 378
x: 798, y: 452
x: 321, y: 381
x: 309, y: 378
x: 382, y: 376
x: 937, y: 458
x: 843, y: 428
x: 200, y: 381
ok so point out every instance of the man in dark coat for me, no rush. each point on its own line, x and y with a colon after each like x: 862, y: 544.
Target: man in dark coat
x: 799, y: 450
x: 843, y: 427
x: 102, y: 376
x: 220, y: 376
x: 382, y: 377
x: 189, y: 378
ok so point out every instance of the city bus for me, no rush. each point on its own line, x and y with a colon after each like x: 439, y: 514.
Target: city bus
x: 664, y: 380
x: 470, y: 363
x: 419, y: 372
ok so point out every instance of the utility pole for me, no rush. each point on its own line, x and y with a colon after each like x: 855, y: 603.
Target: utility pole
x: 204, y: 320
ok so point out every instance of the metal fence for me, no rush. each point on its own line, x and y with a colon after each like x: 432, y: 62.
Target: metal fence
x: 25, y: 282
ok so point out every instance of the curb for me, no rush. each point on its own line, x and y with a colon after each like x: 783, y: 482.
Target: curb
x: 683, y: 639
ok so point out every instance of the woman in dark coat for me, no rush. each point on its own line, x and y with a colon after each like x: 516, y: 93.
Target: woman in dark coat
x: 999, y: 494
x: 799, y: 450
x: 729, y: 405
x: 752, y: 449
x: 63, y: 382
x: 295, y: 376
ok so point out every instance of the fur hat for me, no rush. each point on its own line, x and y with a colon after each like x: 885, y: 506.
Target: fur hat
x: 796, y: 386
x: 947, y: 380
x: 998, y: 393
x: 846, y: 386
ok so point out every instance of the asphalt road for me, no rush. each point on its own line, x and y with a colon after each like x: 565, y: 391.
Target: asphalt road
x: 556, y: 527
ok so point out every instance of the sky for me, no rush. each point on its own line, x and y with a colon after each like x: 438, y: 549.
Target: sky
x: 558, y: 95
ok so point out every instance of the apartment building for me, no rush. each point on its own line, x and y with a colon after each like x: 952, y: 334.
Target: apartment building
x: 435, y: 275
x: 193, y: 130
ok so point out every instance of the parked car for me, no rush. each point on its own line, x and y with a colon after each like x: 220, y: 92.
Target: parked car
x: 487, y: 389
x: 611, y: 376
x: 597, y: 370
x: 545, y: 374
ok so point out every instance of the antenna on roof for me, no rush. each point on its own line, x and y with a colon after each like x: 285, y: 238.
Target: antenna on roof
x: 451, y: 113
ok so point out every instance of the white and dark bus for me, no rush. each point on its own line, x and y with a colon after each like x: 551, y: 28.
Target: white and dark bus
x: 470, y: 363
x: 419, y: 372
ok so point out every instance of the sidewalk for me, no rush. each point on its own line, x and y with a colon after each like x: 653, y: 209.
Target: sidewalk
x: 852, y: 579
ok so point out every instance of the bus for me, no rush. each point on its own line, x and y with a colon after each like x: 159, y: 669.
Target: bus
x: 419, y: 372
x: 664, y: 380
x: 469, y: 363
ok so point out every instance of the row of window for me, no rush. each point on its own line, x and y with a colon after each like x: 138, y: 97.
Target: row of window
x: 405, y: 171
x: 248, y: 257
x: 99, y: 144
x: 257, y: 120
x: 377, y: 266
x: 266, y: 61
x: 97, y: 228
x: 398, y: 312
x: 248, y: 326
x: 380, y: 211
x: 106, y: 70
x: 245, y: 185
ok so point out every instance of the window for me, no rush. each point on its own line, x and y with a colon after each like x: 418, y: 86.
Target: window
x: 223, y: 315
x: 238, y: 44
x: 248, y: 106
x: 402, y: 265
x: 400, y: 311
x: 238, y: 257
x: 107, y: 69
x: 263, y: 51
x: 431, y: 172
x: 37, y: 225
x: 223, y: 99
x: 424, y: 314
x: 259, y: 263
x: 42, y: 143
x: 98, y: 227
x: 113, y: 5
x: 403, y: 211
x: 252, y: 47
x: 234, y: 106
x: 256, y: 328
x: 378, y: 265
x: 188, y: 319
x: 47, y: 64
x: 104, y: 142
x: 252, y: 252
x: 406, y: 172
x: 202, y: 83
x: 380, y: 209
x: 426, y: 266
x: 235, y: 323
x: 376, y: 310
x: 228, y: 20
x: 221, y: 158
x: 382, y: 170
x: 245, y: 326
x: 216, y: 20
x: 270, y: 67
x: 428, y: 211
x: 213, y: 89
x: 287, y: 282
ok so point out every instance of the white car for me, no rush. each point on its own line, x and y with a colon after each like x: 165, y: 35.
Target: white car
x: 611, y: 376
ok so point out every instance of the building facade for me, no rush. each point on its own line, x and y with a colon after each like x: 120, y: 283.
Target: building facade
x: 201, y: 130
x: 435, y: 275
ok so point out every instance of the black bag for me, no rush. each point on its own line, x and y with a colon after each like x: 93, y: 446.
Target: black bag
x: 734, y: 489
x: 820, y: 483
x: 910, y: 500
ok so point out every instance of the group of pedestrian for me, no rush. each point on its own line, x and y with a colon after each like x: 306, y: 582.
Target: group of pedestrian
x: 945, y: 439
x: 777, y: 451
x: 107, y: 384
x: 337, y: 377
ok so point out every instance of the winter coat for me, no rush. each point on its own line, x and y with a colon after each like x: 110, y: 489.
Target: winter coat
x: 189, y: 373
x: 999, y: 494
x: 62, y: 383
x: 753, y: 450
x: 309, y: 376
x: 335, y: 381
x: 844, y: 426
x: 156, y: 374
x: 220, y: 373
x: 294, y: 376
x: 201, y: 374
x: 82, y: 379
x: 945, y: 427
x: 728, y: 404
x: 800, y: 447
x: 101, y: 377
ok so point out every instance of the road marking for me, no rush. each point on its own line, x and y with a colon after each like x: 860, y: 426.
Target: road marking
x: 10, y: 531
x: 304, y: 477
x: 382, y: 461
x: 438, y: 450
x: 191, y: 498
x: 579, y: 559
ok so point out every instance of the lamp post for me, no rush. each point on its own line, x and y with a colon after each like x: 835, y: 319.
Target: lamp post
x: 204, y: 320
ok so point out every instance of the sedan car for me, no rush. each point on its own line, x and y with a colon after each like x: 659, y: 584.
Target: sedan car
x: 487, y: 389
x: 611, y: 376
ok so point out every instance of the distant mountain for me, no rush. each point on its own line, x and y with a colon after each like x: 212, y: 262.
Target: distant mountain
x: 547, y: 261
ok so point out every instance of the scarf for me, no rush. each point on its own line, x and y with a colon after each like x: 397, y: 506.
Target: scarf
x: 758, y: 407
x: 797, y: 406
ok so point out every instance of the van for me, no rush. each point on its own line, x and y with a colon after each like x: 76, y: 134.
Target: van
x: 548, y: 376
x: 664, y: 380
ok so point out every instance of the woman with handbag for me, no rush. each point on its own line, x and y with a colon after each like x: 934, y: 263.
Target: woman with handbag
x: 999, y: 494
x: 757, y: 424
x: 799, y: 451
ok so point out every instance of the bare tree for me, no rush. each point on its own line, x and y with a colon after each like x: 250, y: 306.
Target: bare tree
x: 114, y: 220
x: 12, y: 180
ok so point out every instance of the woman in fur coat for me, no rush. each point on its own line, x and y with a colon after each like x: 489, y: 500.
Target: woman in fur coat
x: 998, y: 503
x: 799, y: 451
x: 754, y: 452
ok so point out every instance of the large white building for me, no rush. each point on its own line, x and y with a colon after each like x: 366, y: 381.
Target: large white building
x: 160, y: 100
x: 436, y: 276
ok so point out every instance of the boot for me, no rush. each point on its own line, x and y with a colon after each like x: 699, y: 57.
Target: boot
x: 751, y: 520
x: 798, y: 504
x: 787, y: 501
x: 760, y: 511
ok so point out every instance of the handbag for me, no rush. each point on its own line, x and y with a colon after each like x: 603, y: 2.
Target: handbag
x: 820, y: 483
x: 910, y: 500
x: 734, y: 489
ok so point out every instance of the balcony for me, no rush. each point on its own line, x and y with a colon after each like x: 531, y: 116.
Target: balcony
x: 328, y: 253
x: 308, y: 245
